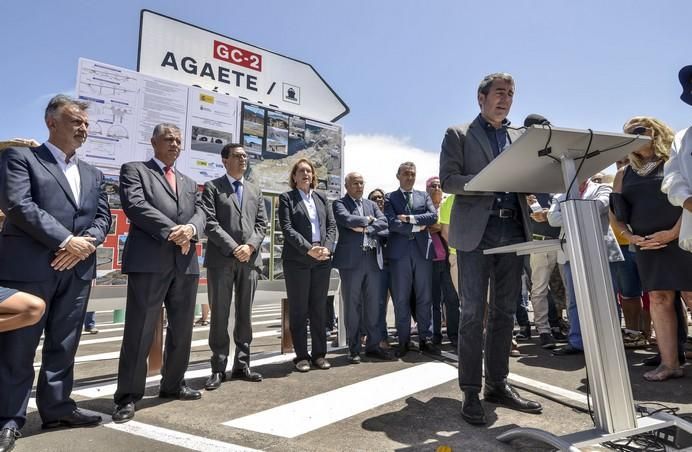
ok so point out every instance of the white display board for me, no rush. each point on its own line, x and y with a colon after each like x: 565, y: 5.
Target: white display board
x: 126, y: 105
x: 191, y: 55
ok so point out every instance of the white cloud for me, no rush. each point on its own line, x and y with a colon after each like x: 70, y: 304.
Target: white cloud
x: 377, y: 158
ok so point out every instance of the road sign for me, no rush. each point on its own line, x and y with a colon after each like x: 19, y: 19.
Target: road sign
x: 188, y: 54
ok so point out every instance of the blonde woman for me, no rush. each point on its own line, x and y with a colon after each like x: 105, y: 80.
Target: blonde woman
x: 663, y: 267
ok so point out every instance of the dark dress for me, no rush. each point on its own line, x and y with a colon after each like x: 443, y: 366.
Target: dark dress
x: 668, y: 268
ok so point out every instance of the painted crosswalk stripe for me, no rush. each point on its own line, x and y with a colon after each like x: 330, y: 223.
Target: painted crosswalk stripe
x: 105, y: 390
x: 176, y: 438
x: 197, y: 343
x: 297, y: 418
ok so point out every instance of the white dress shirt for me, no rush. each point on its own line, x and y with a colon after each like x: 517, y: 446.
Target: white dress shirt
x: 71, y: 171
x: 312, y: 214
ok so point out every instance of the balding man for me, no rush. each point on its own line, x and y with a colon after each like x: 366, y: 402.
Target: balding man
x: 356, y: 256
x: 160, y: 259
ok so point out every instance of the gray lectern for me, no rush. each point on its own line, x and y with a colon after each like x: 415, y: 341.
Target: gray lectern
x: 555, y: 160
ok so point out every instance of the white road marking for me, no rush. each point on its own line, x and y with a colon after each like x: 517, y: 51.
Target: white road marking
x: 96, y: 391
x: 565, y: 393
x: 197, y: 343
x: 299, y: 417
x: 176, y: 438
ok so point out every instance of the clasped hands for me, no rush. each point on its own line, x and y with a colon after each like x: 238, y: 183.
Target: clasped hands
x: 243, y: 252
x: 181, y: 234
x: 654, y: 241
x: 319, y: 253
x: 76, y: 250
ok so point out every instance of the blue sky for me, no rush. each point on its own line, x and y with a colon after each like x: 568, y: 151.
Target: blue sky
x: 407, y: 69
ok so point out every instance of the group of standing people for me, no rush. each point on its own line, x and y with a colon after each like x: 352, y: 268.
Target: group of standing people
x: 57, y: 213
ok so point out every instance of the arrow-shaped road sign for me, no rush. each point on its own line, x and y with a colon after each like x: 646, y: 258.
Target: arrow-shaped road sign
x: 188, y: 54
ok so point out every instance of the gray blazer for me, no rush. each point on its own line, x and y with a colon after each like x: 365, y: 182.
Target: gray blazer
x: 230, y: 225
x: 465, y: 152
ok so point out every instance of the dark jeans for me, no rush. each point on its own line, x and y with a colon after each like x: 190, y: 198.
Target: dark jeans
x: 476, y: 272
x: 443, y: 293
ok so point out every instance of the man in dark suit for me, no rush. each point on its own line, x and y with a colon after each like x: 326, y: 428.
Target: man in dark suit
x: 356, y: 256
x: 409, y: 213
x: 236, y: 226
x: 160, y: 259
x: 57, y: 214
x: 479, y: 221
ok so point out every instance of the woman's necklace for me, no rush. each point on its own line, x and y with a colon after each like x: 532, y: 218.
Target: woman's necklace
x: 646, y: 168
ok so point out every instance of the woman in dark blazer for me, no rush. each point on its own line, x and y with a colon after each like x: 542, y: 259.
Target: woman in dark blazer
x: 309, y: 233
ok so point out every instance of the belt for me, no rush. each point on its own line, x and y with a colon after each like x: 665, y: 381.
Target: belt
x: 504, y: 213
x: 541, y: 237
x: 316, y: 244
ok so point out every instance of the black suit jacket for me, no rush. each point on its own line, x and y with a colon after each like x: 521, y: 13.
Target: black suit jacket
x: 41, y: 213
x: 153, y: 209
x: 297, y: 230
x: 229, y: 224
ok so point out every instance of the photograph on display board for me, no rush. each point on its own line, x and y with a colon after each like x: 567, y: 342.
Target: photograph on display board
x: 208, y: 140
x: 253, y: 120
x: 121, y: 246
x: 288, y: 139
x: 253, y: 146
x: 277, y: 135
x: 114, y: 225
x: 104, y: 258
x: 112, y: 187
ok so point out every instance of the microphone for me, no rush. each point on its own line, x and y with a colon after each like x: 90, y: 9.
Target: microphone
x: 535, y: 119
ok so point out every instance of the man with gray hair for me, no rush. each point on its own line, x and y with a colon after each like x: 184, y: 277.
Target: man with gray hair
x: 160, y: 259
x: 479, y: 221
x: 57, y: 213
x: 359, y: 260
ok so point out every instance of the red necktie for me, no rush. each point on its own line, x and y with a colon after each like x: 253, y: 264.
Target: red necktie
x: 170, y: 177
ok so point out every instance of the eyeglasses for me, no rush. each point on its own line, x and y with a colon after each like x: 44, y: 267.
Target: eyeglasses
x: 638, y: 130
x: 376, y: 197
x: 435, y: 186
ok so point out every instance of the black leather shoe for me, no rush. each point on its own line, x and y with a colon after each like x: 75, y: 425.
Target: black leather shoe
x: 184, y: 393
x: 567, y: 350
x: 437, y: 340
x: 504, y: 394
x: 322, y: 363
x: 214, y: 380
x: 354, y: 358
x: 428, y: 347
x: 655, y: 360
x: 472, y: 410
x: 378, y: 353
x: 246, y: 374
x: 123, y: 413
x: 403, y: 348
x: 78, y: 418
x: 8, y: 436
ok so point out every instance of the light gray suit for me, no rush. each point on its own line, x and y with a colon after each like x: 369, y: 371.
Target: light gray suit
x: 475, y: 226
x: 229, y: 225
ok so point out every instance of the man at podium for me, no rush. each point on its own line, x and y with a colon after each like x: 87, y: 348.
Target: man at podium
x: 479, y: 221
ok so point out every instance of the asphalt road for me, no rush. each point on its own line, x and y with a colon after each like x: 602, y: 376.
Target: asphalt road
x: 410, y: 404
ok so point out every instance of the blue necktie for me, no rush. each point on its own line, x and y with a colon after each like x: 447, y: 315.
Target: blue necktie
x: 238, y: 187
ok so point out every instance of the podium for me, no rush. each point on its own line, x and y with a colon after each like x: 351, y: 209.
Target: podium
x: 549, y: 159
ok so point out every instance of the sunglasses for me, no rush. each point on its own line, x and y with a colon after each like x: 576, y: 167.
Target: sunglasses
x: 375, y: 197
x: 638, y: 130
